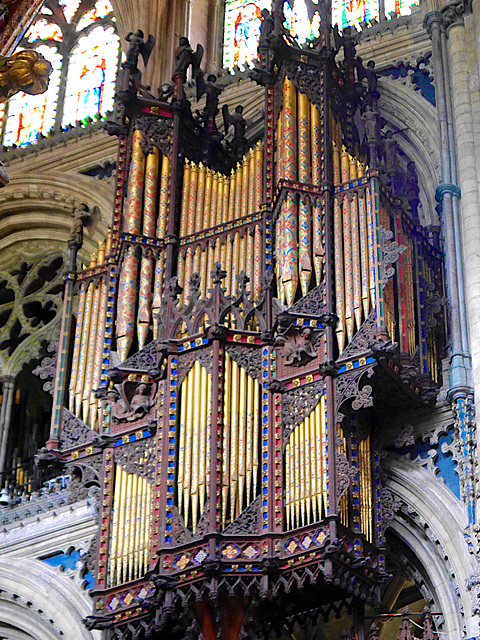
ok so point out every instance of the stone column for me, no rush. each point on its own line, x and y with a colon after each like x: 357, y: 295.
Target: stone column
x: 5, y: 418
x: 468, y: 179
x: 448, y: 194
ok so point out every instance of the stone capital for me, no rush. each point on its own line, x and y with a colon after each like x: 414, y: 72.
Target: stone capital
x: 432, y: 19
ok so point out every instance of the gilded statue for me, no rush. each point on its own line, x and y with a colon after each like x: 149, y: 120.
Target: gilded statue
x: 26, y: 71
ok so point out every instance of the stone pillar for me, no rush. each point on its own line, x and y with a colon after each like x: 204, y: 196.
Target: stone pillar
x: 465, y: 142
x: 448, y: 194
x: 5, y: 418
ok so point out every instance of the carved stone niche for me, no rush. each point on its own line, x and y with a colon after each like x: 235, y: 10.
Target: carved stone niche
x: 132, y: 405
x: 297, y: 347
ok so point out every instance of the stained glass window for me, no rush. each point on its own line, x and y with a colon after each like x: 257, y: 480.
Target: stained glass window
x: 29, y: 116
x: 91, y: 75
x: 243, y: 19
x: 298, y: 21
x: 402, y: 7
x: 88, y: 78
x: 347, y: 13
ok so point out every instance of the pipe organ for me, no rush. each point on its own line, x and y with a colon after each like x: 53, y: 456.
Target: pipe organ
x: 259, y: 305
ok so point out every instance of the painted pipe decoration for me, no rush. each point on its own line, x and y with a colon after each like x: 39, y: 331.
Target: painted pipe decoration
x: 129, y: 545
x: 306, y: 470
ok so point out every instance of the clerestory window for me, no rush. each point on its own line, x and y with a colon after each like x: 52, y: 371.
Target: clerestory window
x: 79, y: 39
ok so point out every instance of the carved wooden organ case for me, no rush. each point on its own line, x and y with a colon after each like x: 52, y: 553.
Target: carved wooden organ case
x: 266, y: 311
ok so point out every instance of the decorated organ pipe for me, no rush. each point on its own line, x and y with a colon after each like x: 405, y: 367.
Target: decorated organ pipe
x: 247, y: 413
x: 240, y: 432
x: 130, y: 529
x: 229, y: 208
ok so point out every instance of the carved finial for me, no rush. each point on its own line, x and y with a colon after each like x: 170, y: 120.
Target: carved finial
x: 194, y: 285
x: 172, y: 288
x: 218, y: 274
x: 242, y: 280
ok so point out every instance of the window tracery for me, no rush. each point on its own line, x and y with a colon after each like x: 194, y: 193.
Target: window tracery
x: 243, y: 19
x: 81, y: 43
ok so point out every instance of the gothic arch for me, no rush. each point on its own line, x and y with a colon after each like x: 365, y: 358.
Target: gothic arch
x: 42, y: 602
x: 431, y: 524
x: 404, y: 107
x: 41, y: 208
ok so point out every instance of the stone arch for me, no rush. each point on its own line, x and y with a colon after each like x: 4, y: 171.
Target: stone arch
x: 40, y: 602
x: 403, y: 107
x: 40, y: 209
x: 431, y: 524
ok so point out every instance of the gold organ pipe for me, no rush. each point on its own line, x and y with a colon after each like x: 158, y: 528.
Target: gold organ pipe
x: 316, y: 144
x: 256, y: 432
x: 164, y: 198
x: 225, y: 200
x: 356, y: 261
x: 148, y: 521
x: 229, y: 283
x: 181, y: 442
x: 196, y: 261
x: 76, y: 345
x: 288, y: 481
x: 210, y: 263
x: 158, y: 288
x: 126, y: 530
x: 213, y: 211
x: 208, y: 415
x: 301, y: 446
x: 90, y: 356
x: 197, y: 426
x: 248, y: 255
x: 133, y: 522
x: 242, y: 424
x: 126, y: 302
x: 231, y: 197
x: 258, y: 176
x: 207, y: 207
x: 362, y: 215
x: 220, y: 198
x: 114, y: 531
x: 308, y: 472
x: 204, y: 411
x: 82, y: 358
x: 315, y: 471
x: 150, y: 198
x: 296, y: 446
x: 200, y: 197
x: 348, y: 266
x: 339, y: 275
x: 187, y: 475
x: 99, y: 344
x: 185, y: 198
x: 227, y: 397
x: 245, y: 188
x: 133, y: 210
x: 235, y: 262
x: 121, y: 527
x: 139, y: 529
x: 251, y: 182
x: 234, y: 440
x: 320, y: 455
x: 192, y: 199
x: 203, y: 269
x: 237, y: 212
x: 145, y: 295
x: 249, y: 438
